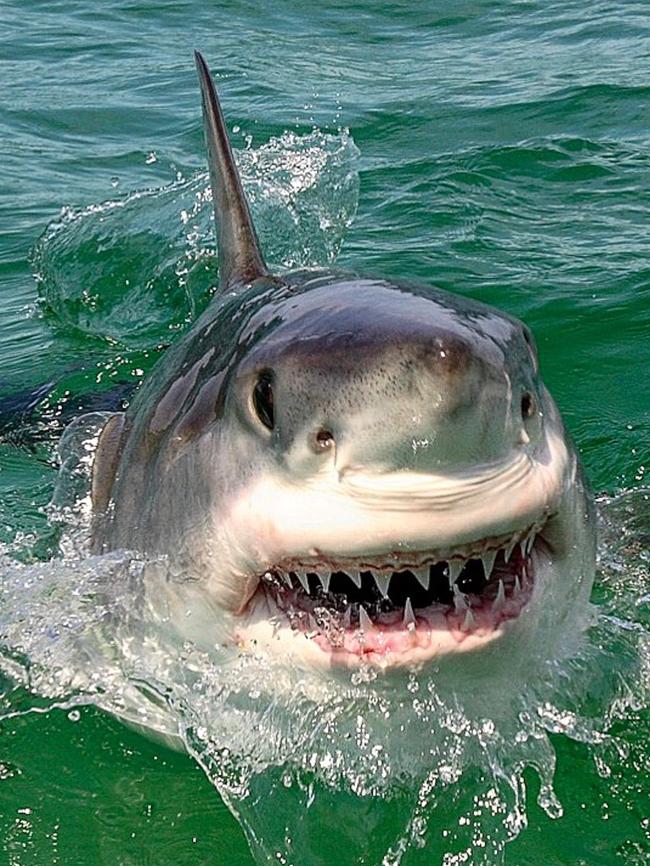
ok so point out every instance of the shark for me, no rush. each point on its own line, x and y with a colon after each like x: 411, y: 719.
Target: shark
x: 345, y: 470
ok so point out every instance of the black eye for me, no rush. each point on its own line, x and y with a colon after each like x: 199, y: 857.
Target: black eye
x: 527, y: 405
x: 263, y: 400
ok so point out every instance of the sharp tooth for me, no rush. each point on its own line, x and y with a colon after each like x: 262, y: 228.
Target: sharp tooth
x: 347, y: 617
x: 382, y: 579
x: 488, y: 559
x: 409, y: 616
x: 365, y: 623
x: 507, y: 553
x: 455, y: 568
x: 529, y: 542
x: 302, y: 577
x: 469, y: 621
x: 522, y: 547
x: 423, y: 576
x: 460, y: 602
x: 286, y: 578
x: 325, y: 577
x: 355, y: 577
x: 517, y: 584
x: 500, y: 600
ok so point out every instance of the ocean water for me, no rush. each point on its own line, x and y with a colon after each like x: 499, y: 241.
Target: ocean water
x: 497, y: 149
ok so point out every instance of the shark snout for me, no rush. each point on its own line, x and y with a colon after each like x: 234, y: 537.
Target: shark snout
x: 387, y: 395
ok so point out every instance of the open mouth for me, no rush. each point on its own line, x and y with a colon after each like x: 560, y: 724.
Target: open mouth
x: 393, y: 604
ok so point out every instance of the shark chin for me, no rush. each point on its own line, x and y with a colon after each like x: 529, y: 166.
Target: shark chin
x: 342, y: 470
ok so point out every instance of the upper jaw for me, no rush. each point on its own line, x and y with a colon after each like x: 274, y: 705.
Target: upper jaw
x: 344, y: 516
x: 416, y: 560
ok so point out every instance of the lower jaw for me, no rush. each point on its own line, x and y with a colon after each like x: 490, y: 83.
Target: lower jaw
x: 434, y: 633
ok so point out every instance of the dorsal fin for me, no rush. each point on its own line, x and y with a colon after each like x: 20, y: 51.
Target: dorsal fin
x: 240, y: 259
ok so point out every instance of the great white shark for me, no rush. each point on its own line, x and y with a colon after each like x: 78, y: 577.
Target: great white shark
x: 345, y: 470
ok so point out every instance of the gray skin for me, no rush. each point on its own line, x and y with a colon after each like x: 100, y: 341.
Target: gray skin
x: 373, y: 381
x: 380, y: 365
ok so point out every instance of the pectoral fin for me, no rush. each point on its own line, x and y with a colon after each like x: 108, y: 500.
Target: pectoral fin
x: 107, y: 458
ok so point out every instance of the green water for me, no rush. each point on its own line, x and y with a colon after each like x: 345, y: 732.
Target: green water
x: 497, y: 149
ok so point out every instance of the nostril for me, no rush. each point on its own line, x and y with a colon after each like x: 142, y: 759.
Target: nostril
x: 324, y: 439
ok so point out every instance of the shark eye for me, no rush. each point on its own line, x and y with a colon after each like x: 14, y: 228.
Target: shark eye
x: 263, y: 400
x: 528, y: 406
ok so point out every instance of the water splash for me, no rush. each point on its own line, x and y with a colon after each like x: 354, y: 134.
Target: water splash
x: 446, y: 754
x: 137, y: 269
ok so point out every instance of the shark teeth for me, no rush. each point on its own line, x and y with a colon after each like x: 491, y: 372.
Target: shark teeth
x: 470, y: 620
x: 453, y: 572
x: 423, y: 576
x: 460, y: 602
x: 525, y: 545
x: 355, y: 577
x: 382, y: 580
x: 488, y: 559
x: 365, y: 623
x: 325, y: 577
x: 499, y: 602
x: 409, y: 615
x: 479, y: 585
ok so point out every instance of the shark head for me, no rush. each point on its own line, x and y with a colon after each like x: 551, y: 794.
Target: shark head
x: 345, y: 470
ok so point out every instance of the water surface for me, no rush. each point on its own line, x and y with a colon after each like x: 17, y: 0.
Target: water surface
x: 497, y: 149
